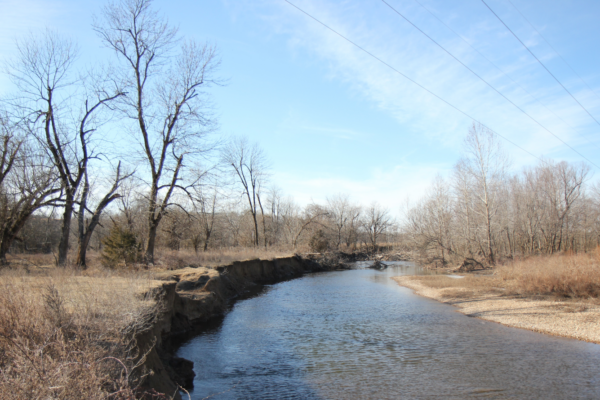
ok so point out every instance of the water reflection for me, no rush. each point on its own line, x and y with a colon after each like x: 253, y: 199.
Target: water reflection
x: 356, y: 334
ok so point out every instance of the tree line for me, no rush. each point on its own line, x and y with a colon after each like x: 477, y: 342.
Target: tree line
x: 133, y: 143
x: 485, y: 211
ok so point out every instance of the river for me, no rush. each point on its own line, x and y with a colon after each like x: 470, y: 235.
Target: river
x: 358, y: 335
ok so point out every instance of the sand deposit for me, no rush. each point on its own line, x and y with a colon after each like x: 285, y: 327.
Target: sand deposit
x: 577, y: 319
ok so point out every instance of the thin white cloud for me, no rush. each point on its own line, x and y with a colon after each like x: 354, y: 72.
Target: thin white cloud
x: 411, y: 53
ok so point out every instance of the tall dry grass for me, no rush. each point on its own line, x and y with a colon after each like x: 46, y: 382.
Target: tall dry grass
x: 70, y: 334
x: 213, y: 257
x: 164, y: 258
x: 565, y: 275
x: 65, y: 335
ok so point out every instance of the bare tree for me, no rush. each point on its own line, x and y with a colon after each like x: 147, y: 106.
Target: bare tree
x: 376, y: 220
x: 341, y: 213
x: 166, y: 100
x: 562, y: 187
x: 205, y: 200
x: 314, y: 214
x: 486, y: 164
x: 248, y: 163
x: 86, y: 226
x: 430, y: 223
x: 49, y: 98
x: 28, y: 185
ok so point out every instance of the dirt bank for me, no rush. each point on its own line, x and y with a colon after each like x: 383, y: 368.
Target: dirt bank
x: 479, y: 297
x: 190, y: 296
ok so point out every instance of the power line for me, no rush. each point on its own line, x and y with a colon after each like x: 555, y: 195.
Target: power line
x: 552, y: 47
x: 411, y: 80
x: 487, y: 83
x: 500, y: 69
x: 541, y: 63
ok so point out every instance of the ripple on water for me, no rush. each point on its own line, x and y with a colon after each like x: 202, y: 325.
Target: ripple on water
x: 356, y: 334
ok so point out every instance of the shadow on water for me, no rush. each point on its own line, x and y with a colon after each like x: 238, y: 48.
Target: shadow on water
x: 356, y: 334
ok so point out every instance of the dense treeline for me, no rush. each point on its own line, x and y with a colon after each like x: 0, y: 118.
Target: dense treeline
x: 484, y: 211
x: 133, y: 146
x: 223, y: 224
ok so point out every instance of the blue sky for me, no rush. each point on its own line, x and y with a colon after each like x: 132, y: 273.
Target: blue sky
x: 334, y: 120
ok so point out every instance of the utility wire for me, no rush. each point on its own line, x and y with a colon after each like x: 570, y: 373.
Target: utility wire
x: 502, y: 71
x: 541, y: 63
x: 487, y: 83
x: 552, y: 47
x: 412, y: 80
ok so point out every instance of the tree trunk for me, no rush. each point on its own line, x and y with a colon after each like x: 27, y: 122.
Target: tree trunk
x: 82, y: 249
x: 149, y: 256
x: 63, y: 246
x: 489, y: 235
x: 4, y: 247
x: 206, y: 242
x: 256, y: 241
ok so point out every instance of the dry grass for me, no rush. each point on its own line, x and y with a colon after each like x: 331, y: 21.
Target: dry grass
x: 70, y: 334
x: 164, y: 258
x: 557, y: 295
x: 65, y: 335
x: 182, y: 258
x: 566, y: 276
x: 467, y: 287
x: 574, y: 276
x: 469, y: 281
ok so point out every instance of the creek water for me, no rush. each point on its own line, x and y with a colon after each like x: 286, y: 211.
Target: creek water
x: 358, y: 335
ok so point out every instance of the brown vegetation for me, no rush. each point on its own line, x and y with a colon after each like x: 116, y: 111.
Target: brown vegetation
x: 557, y: 295
x: 68, y: 335
x: 574, y: 276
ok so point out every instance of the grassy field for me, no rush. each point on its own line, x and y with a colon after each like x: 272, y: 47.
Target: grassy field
x: 68, y: 334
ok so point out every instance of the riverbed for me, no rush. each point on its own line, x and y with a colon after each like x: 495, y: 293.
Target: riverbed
x: 357, y: 334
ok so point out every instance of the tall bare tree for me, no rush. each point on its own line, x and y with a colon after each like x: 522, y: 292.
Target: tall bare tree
x: 562, y: 187
x: 205, y: 199
x: 27, y: 183
x: 486, y: 164
x: 86, y: 226
x: 62, y: 115
x: 376, y: 219
x: 248, y: 163
x: 340, y: 212
x: 166, y: 97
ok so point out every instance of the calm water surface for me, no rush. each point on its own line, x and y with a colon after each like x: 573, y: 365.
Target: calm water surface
x: 358, y: 335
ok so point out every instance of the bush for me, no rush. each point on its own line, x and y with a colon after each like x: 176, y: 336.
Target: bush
x: 120, y: 245
x: 319, y: 243
x: 66, y: 336
x: 575, y: 276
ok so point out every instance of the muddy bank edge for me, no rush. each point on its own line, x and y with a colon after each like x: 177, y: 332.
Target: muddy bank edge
x: 191, y: 296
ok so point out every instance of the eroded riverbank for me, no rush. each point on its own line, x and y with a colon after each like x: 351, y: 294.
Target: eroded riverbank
x: 191, y: 296
x: 567, y: 318
x: 357, y: 334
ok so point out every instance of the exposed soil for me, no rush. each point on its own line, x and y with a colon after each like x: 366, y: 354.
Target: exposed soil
x: 194, y: 295
x: 483, y: 297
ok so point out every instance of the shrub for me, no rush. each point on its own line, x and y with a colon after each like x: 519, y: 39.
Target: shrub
x: 67, y: 336
x: 120, y: 245
x: 319, y: 243
x: 576, y: 276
